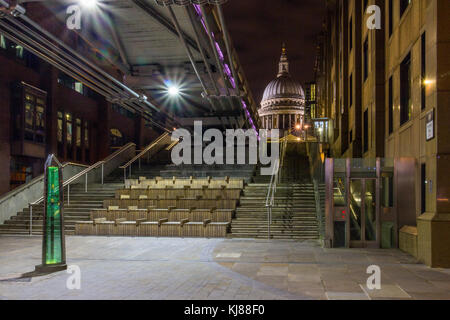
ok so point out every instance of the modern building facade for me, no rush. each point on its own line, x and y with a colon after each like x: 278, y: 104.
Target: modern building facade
x: 44, y: 111
x: 283, y: 102
x: 385, y: 92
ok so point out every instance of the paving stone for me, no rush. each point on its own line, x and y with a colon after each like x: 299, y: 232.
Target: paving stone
x: 168, y: 268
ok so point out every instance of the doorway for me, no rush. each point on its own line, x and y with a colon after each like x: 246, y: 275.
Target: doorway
x: 363, y: 213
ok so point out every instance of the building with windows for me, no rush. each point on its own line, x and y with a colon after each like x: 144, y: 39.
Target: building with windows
x: 44, y: 111
x: 386, y: 94
x: 310, y: 100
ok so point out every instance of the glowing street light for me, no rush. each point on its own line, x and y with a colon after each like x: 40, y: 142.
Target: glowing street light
x: 173, y: 91
x: 89, y: 3
x: 297, y: 127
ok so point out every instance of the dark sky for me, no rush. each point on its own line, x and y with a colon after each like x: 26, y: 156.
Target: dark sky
x: 258, y: 28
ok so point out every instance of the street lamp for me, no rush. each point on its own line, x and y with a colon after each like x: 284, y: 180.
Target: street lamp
x: 173, y: 90
x: 88, y: 3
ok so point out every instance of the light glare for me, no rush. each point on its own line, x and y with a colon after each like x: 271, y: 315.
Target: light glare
x: 88, y: 3
x: 174, y: 91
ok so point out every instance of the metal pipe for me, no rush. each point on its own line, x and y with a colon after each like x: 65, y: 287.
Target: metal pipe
x: 31, y: 219
x: 205, y: 61
x: 86, y: 183
x: 90, y: 83
x: 68, y: 194
x: 90, y: 64
x: 46, y: 58
x: 103, y: 165
x: 216, y: 56
x: 228, y: 47
x: 186, y: 48
x: 79, y: 56
x: 54, y: 48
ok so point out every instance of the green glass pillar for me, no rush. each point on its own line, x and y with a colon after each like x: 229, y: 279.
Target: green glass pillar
x: 53, y: 244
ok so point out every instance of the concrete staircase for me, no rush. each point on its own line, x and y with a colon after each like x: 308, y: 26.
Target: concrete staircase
x: 293, y: 215
x: 81, y: 204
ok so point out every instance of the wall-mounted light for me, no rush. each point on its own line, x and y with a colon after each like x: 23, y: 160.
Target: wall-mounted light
x: 427, y: 82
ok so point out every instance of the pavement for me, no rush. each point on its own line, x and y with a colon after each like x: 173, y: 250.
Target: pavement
x: 215, y: 269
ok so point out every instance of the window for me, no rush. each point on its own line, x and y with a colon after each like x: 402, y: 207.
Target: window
x: 78, y: 86
x: 424, y: 72
x: 117, y: 138
x: 403, y: 6
x: 388, y: 191
x: 34, y: 116
x: 366, y: 59
x: 350, y: 31
x: 391, y: 106
x: 86, y: 142
x: 2, y: 42
x: 75, y: 85
x: 391, y: 17
x: 78, y: 138
x: 366, y: 131
x: 351, y: 90
x: 59, y: 134
x: 69, y: 135
x: 405, y: 90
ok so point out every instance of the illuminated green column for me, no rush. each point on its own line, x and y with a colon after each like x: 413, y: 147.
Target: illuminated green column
x: 53, y: 244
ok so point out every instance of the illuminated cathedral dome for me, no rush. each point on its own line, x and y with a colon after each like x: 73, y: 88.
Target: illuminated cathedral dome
x: 283, y: 102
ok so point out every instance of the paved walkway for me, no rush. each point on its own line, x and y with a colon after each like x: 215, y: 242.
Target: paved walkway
x: 214, y: 269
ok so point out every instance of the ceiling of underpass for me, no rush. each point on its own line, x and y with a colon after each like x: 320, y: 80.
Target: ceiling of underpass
x: 139, y: 38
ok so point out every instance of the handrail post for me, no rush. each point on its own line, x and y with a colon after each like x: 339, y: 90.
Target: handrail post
x: 139, y: 164
x: 31, y: 218
x: 86, y: 183
x: 68, y: 194
x: 124, y: 176
x: 103, y: 170
x: 129, y: 174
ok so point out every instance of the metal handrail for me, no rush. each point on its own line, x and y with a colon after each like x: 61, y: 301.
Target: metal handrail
x: 79, y: 175
x: 272, y: 189
x: 37, y: 179
x: 140, y: 155
x: 143, y: 152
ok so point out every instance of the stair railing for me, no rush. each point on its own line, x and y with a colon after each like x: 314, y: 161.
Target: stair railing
x: 154, y: 147
x: 272, y: 189
x: 88, y: 172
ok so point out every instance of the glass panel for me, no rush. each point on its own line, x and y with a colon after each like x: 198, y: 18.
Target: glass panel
x: 19, y: 52
x: 387, y: 191
x: 40, y: 119
x: 370, y: 210
x: 2, y: 42
x: 78, y: 132
x: 339, y: 192
x: 53, y: 239
x: 29, y: 116
x: 86, y: 135
x: 59, y: 132
x: 69, y: 128
x: 79, y: 87
x: 355, y: 209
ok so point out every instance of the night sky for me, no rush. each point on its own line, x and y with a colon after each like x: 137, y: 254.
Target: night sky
x: 258, y: 28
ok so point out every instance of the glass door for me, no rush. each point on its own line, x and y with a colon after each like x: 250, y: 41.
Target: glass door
x: 363, y: 213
